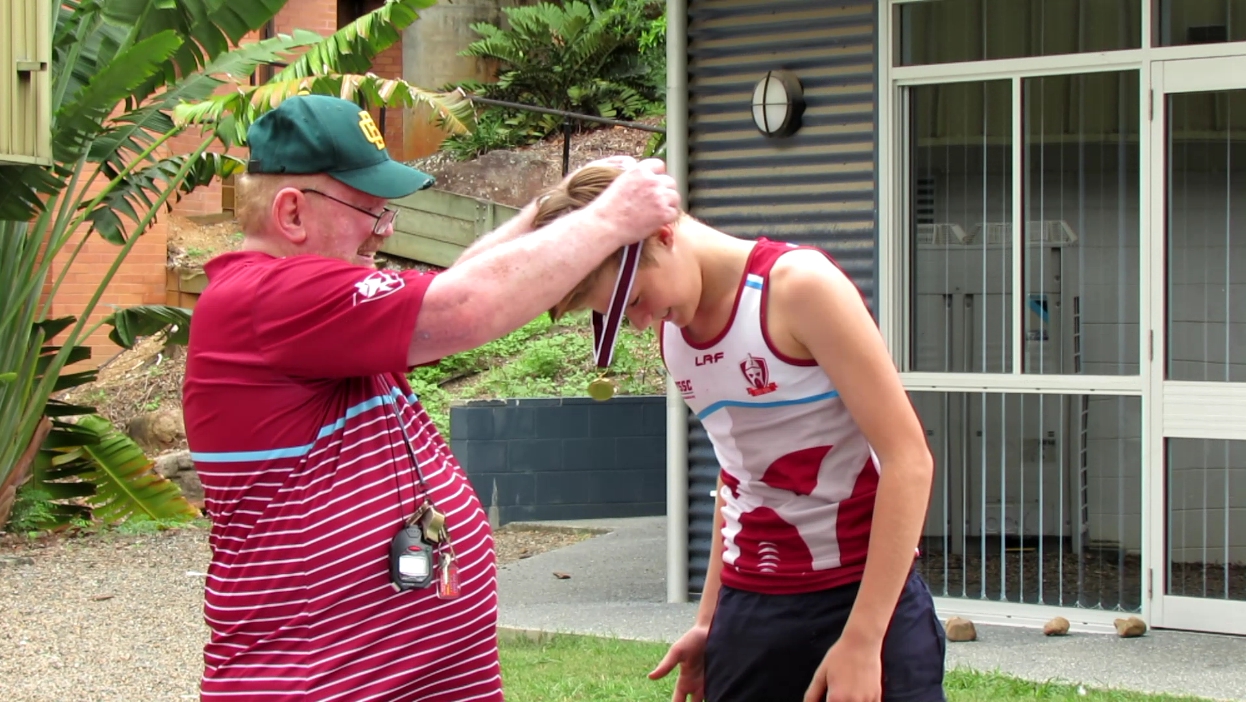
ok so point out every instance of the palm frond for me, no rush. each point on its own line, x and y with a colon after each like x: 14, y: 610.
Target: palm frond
x: 136, y: 193
x: 452, y: 111
x: 92, y: 452
x: 352, y: 48
x: 132, y: 323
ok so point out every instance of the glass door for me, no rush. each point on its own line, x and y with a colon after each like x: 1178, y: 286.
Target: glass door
x: 1197, y: 563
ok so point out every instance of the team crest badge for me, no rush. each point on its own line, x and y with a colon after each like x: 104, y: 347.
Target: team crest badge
x: 757, y: 373
x: 377, y: 285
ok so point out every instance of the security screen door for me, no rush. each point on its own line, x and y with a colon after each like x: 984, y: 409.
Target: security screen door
x: 1197, y: 449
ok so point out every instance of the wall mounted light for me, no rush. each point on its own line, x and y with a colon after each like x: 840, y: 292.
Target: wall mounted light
x: 778, y: 103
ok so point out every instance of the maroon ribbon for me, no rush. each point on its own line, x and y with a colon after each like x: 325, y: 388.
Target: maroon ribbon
x: 606, y: 327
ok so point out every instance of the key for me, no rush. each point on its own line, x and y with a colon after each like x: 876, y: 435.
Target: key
x: 434, y: 525
x: 448, y: 577
x: 419, y: 514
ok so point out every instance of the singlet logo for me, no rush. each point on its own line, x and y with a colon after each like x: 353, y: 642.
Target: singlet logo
x: 685, y: 387
x: 370, y: 132
x: 377, y: 285
x: 757, y: 373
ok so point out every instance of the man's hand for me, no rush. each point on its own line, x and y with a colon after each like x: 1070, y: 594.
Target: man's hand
x: 639, y: 202
x: 689, y: 654
x: 850, y: 672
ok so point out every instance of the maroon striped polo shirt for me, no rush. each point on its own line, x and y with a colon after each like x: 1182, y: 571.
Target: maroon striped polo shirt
x: 296, y: 408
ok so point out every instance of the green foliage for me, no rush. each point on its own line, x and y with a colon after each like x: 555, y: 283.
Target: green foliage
x: 102, y: 470
x: 32, y: 511
x: 541, y: 359
x: 601, y: 59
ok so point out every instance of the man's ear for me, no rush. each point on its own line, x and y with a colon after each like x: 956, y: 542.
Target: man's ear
x: 287, y: 214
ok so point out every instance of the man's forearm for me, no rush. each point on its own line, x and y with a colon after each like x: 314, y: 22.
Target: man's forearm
x: 510, y: 284
x: 509, y: 230
x: 899, y: 514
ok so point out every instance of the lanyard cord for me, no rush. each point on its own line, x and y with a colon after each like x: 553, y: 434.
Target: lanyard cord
x: 418, y: 474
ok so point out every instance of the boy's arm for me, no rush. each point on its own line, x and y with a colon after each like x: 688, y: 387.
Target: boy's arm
x: 824, y: 312
x: 713, y: 573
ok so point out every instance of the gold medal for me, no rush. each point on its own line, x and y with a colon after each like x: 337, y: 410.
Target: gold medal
x: 602, y: 389
x: 606, y: 326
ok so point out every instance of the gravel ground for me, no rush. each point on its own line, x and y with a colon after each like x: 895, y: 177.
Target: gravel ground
x: 115, y: 617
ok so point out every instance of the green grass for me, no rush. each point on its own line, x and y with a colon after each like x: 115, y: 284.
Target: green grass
x: 588, y: 669
x: 541, y: 359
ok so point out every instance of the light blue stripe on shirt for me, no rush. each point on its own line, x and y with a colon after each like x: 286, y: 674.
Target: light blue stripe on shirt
x: 762, y: 405
x: 297, y: 451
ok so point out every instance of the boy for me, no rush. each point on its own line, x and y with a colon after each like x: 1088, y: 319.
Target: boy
x: 810, y: 592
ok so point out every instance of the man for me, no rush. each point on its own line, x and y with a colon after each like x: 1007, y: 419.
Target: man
x: 314, y: 455
x: 810, y: 593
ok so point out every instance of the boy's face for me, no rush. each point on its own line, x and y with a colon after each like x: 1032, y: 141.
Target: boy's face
x: 667, y: 288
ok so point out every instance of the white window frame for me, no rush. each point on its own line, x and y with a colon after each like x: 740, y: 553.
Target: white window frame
x: 893, y: 278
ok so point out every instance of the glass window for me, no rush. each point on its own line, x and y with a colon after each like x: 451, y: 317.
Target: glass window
x: 1206, y: 510
x: 945, y: 31
x: 961, y: 241
x: 1037, y: 499
x: 1183, y: 22
x: 1206, y: 237
x: 1081, y: 222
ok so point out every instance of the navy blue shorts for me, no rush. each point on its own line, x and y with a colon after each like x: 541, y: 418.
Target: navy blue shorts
x: 766, y: 648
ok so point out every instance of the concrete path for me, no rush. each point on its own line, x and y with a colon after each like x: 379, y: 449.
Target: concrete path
x: 617, y: 588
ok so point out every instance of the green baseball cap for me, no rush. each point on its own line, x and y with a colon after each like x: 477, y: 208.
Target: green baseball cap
x: 309, y: 134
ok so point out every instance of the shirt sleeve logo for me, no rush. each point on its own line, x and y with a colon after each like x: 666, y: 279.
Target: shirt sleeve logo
x: 378, y: 285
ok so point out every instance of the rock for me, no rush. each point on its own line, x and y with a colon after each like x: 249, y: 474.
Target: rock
x: 959, y: 629
x: 561, y: 576
x: 170, y: 465
x: 1056, y: 627
x: 16, y: 561
x: 157, y: 431
x: 1130, y: 628
x: 178, y: 467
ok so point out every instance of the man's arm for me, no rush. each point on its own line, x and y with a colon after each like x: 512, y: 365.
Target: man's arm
x: 823, y: 311
x: 509, y: 230
x: 510, y: 284
x: 521, y: 223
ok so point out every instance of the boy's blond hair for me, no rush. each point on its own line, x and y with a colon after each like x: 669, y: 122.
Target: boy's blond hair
x: 583, y: 187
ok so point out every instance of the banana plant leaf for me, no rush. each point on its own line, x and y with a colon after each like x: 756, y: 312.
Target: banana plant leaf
x: 133, y: 323
x: 102, y: 468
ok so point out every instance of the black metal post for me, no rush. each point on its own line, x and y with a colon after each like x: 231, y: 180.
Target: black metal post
x: 566, y: 147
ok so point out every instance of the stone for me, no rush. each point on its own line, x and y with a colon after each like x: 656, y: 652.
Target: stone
x: 16, y: 561
x: 1056, y: 627
x: 178, y: 467
x: 1129, y: 628
x: 157, y: 431
x: 959, y: 629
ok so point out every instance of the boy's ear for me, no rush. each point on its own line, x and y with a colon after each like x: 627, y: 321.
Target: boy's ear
x: 665, y: 236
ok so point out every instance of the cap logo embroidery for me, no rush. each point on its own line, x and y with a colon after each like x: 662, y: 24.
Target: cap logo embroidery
x: 370, y: 132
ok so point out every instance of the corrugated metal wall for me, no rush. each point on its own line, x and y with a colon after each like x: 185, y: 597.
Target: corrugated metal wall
x: 816, y: 187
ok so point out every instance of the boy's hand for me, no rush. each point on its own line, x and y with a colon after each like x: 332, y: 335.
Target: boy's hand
x: 849, y: 673
x: 689, y: 654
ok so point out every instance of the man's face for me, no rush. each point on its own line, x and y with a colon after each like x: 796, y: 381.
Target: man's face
x: 340, y: 222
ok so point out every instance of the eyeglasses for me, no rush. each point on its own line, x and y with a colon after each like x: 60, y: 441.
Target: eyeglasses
x: 383, y: 220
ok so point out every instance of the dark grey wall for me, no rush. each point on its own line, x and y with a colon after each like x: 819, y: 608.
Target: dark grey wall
x: 564, y: 458
x: 817, y: 187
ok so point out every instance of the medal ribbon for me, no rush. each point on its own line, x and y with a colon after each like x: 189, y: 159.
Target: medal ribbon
x: 606, y: 327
